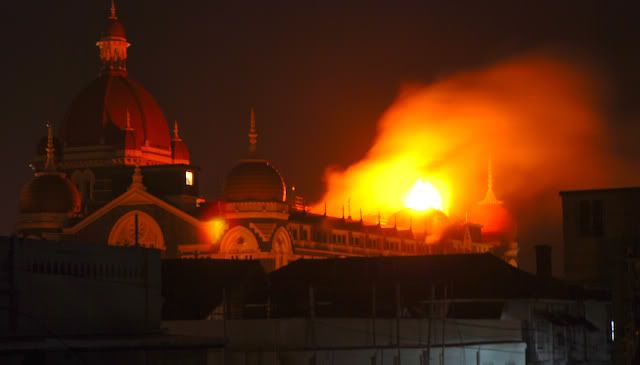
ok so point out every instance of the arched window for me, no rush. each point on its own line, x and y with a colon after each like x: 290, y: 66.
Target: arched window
x: 137, y: 227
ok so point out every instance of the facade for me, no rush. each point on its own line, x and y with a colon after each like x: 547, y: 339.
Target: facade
x: 388, y: 310
x: 116, y: 173
x: 601, y: 250
x: 76, y: 303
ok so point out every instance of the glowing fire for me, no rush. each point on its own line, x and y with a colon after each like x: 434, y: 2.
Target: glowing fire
x: 423, y: 196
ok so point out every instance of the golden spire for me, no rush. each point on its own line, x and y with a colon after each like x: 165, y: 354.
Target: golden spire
x: 253, y: 134
x: 50, y: 163
x: 490, y: 196
x: 112, y: 14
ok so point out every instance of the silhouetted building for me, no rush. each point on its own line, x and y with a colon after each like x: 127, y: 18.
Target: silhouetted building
x: 370, y: 310
x: 601, y: 250
x: 74, y: 303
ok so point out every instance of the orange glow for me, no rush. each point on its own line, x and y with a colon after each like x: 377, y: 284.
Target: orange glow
x: 423, y: 196
x: 216, y: 228
x: 536, y: 117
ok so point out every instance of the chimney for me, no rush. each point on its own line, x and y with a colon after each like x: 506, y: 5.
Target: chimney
x: 543, y: 261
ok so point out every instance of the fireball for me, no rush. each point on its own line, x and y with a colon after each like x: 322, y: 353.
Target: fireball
x: 423, y: 196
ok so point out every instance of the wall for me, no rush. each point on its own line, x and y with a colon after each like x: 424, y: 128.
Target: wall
x: 351, y: 341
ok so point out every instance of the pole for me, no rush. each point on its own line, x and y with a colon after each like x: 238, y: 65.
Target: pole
x: 398, y: 314
x: 373, y: 319
x: 430, y: 306
x: 444, y: 321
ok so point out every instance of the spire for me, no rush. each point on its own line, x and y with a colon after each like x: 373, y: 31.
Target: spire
x: 113, y: 45
x: 342, y: 211
x: 50, y: 163
x: 253, y: 134
x: 112, y: 13
x: 176, y: 131
x: 136, y: 179
x: 325, y: 208
x: 490, y: 196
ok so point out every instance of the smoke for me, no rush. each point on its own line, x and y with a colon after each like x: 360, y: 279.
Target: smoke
x: 538, y: 118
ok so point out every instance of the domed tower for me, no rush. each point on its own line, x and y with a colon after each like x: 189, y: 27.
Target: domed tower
x: 114, y: 124
x: 255, y: 183
x: 498, y: 225
x: 255, y: 209
x: 48, y: 200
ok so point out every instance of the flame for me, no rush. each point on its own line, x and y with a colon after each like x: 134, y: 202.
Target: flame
x: 423, y: 196
x: 536, y: 117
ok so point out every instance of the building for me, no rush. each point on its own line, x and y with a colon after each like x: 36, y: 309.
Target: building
x: 474, y: 309
x: 115, y: 173
x: 76, y: 303
x: 601, y: 250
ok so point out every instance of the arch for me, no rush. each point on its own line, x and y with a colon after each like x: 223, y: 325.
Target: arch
x: 239, y: 240
x: 281, y: 247
x: 149, y: 231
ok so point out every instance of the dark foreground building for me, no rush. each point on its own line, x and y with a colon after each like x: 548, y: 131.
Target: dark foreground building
x: 602, y: 250
x: 474, y: 309
x: 73, y: 303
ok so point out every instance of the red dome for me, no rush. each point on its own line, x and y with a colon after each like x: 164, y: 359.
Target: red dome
x: 114, y: 29
x: 50, y: 193
x: 254, y: 180
x: 99, y: 114
x: 495, y: 220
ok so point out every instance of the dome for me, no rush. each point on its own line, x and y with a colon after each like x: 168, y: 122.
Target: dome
x: 254, y: 180
x: 111, y: 105
x: 50, y: 193
x: 496, y: 220
x: 114, y: 29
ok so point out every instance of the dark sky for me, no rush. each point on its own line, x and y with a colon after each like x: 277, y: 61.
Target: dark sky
x: 319, y: 73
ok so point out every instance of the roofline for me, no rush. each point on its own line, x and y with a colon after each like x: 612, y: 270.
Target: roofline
x: 600, y: 190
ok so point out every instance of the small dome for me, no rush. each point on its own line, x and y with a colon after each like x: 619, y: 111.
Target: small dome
x: 254, y: 180
x: 495, y: 219
x: 50, y: 193
x: 114, y: 29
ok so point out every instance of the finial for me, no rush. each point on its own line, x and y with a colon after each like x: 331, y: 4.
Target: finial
x: 490, y: 196
x: 253, y: 134
x: 129, y: 128
x: 360, y: 215
x: 379, y: 219
x: 176, y: 131
x: 50, y: 163
x: 325, y: 208
x: 395, y: 221
x: 349, y: 209
x: 136, y: 179
x: 342, y: 211
x: 112, y: 14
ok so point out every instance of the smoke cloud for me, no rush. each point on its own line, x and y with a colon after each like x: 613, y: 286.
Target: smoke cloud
x: 538, y: 118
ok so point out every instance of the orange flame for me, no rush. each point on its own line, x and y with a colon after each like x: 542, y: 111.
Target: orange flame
x: 533, y: 116
x: 423, y: 196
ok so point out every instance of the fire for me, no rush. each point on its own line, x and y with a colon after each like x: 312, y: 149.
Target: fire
x: 423, y: 196
x: 536, y: 117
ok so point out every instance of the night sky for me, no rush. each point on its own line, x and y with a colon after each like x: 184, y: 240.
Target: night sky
x: 319, y: 73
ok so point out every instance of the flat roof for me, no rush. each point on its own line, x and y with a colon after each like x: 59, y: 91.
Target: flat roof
x: 602, y: 190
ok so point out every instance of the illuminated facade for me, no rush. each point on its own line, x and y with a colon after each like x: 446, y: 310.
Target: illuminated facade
x: 124, y: 178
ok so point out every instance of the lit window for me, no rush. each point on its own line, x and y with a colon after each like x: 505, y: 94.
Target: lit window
x: 188, y: 175
x: 613, y: 331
